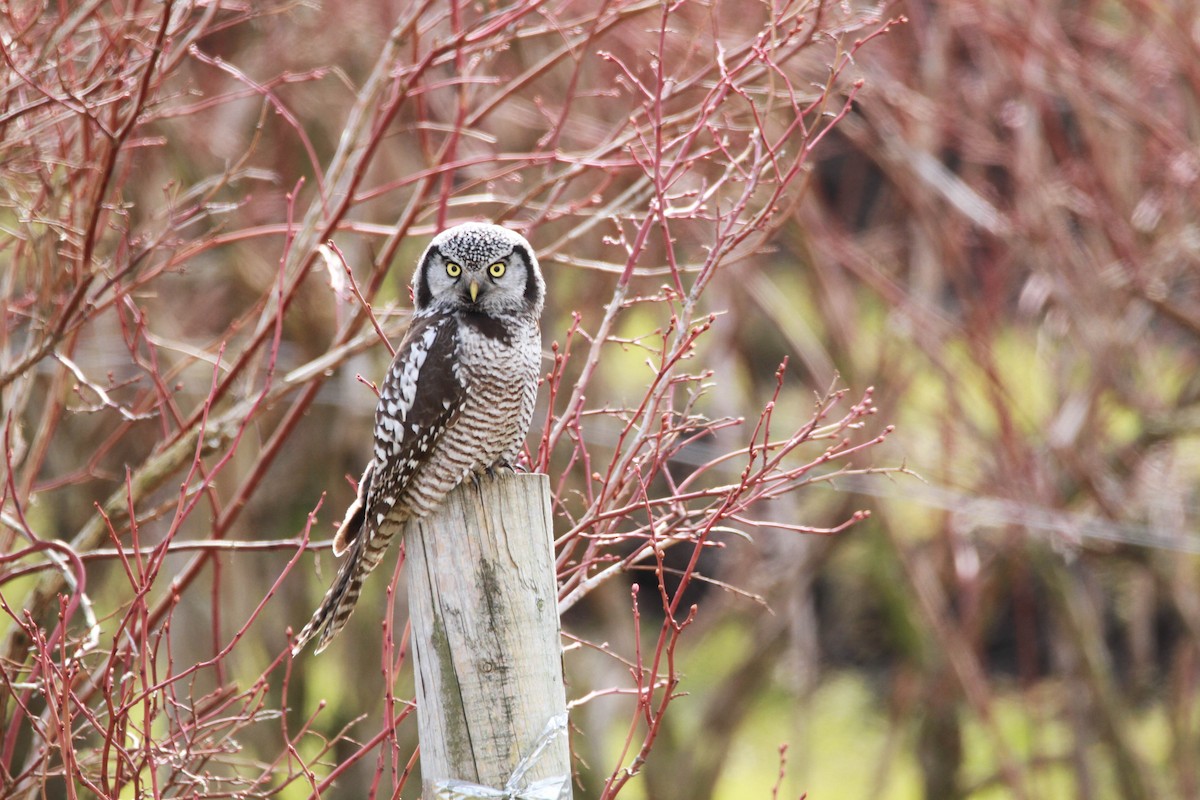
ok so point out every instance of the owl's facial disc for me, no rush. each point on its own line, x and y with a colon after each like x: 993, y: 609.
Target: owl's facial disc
x: 486, y: 269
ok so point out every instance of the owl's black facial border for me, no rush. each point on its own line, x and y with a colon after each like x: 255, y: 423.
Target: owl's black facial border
x: 424, y: 293
x: 531, y: 284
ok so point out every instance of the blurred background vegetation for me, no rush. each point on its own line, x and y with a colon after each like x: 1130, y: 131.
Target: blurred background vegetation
x: 1000, y: 236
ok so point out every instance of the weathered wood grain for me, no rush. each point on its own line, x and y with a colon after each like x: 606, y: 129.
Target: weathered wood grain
x: 485, y: 633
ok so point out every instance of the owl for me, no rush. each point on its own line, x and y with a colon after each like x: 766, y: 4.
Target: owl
x: 457, y: 399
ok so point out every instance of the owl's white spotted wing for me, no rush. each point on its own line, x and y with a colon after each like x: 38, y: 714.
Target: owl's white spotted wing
x: 418, y: 401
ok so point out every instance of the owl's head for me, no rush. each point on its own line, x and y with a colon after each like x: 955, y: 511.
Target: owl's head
x: 482, y: 268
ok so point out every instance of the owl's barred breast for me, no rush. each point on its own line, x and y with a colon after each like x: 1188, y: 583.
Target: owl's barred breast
x: 500, y: 376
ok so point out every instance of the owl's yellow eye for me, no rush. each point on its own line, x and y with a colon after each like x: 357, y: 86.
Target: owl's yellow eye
x: 496, y: 270
x: 453, y: 270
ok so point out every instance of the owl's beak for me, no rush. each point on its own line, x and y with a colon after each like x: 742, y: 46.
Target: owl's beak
x: 474, y: 289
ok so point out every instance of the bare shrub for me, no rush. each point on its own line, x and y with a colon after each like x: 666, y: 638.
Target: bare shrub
x: 201, y: 208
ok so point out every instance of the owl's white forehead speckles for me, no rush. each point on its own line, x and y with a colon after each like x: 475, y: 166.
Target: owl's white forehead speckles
x: 476, y: 243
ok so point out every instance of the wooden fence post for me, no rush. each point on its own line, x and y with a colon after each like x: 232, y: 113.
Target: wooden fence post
x: 485, y: 631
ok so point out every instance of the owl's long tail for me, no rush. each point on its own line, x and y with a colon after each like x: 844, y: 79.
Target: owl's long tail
x: 363, y: 548
x: 331, y: 616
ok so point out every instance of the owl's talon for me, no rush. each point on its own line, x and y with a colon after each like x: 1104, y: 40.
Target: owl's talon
x: 503, y: 466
